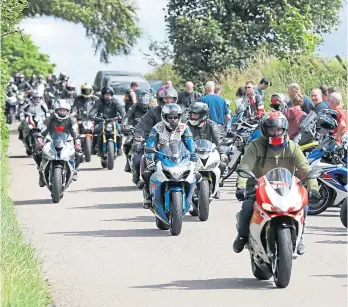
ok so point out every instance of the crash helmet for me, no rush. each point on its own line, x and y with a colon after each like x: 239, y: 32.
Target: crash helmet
x: 70, y: 88
x: 144, y: 100
x: 327, y: 120
x: 198, y: 113
x: 107, y: 93
x: 171, y: 115
x: 170, y: 95
x: 274, y: 126
x: 63, y: 76
x: 62, y: 109
x: 279, y: 102
x: 36, y: 97
x: 86, y: 90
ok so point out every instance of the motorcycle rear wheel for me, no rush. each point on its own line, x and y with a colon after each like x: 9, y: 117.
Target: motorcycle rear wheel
x: 176, y: 215
x: 160, y: 225
x: 343, y: 213
x: 111, y: 155
x: 88, y: 148
x: 283, y: 261
x: 203, y: 200
x: 258, y: 273
x: 56, y: 184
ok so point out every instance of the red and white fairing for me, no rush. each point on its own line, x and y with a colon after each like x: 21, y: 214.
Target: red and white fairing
x: 274, y: 199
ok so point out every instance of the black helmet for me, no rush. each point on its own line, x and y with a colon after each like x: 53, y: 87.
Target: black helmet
x: 170, y: 95
x: 107, y: 90
x: 198, y: 113
x: 144, y: 100
x: 275, y: 126
x: 63, y: 76
x: 171, y: 115
x: 327, y: 120
x: 279, y: 102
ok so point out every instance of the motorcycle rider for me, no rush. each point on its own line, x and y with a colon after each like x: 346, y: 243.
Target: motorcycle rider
x: 254, y: 100
x: 32, y: 80
x: 279, y: 102
x: 62, y: 121
x: 169, y: 128
x: 84, y: 102
x: 272, y: 149
x: 204, y: 128
x: 32, y: 105
x: 69, y: 91
x: 108, y: 107
x: 132, y: 117
x: 150, y: 119
x: 11, y: 86
x: 23, y: 86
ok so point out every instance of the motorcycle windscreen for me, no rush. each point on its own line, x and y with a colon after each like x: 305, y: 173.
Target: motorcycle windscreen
x: 280, y: 180
x: 59, y: 139
x: 175, y: 151
x: 204, y: 146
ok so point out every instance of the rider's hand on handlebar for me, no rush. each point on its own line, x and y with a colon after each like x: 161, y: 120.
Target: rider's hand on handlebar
x: 241, y: 194
x: 314, y: 196
x: 194, y: 157
x: 139, y: 139
x: 78, y: 147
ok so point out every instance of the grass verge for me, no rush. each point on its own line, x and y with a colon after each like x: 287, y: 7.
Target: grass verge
x: 21, y: 276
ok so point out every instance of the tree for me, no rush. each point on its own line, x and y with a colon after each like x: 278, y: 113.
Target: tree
x: 23, y: 56
x: 160, y: 53
x: 209, y: 36
x: 111, y: 24
x: 11, y: 14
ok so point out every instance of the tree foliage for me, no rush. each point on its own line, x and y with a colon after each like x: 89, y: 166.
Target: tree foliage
x: 11, y: 13
x: 209, y: 36
x: 111, y: 24
x: 160, y: 53
x: 23, y: 56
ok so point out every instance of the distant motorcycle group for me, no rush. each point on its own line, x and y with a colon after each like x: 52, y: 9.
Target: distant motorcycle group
x: 181, y: 159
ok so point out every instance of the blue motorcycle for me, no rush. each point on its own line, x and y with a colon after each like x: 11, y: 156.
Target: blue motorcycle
x: 330, y: 157
x: 172, y: 185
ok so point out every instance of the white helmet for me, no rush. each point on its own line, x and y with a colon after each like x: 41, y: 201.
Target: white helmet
x: 62, y: 109
x: 171, y: 115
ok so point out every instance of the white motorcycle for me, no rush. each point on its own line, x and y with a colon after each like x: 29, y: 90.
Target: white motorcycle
x: 208, y: 184
x: 58, y: 163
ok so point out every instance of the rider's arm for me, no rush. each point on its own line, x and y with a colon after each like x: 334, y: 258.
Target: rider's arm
x: 152, y: 142
x: 260, y: 105
x: 44, y: 107
x: 144, y: 125
x: 301, y: 163
x: 74, y: 128
x: 95, y: 109
x: 46, y: 125
x: 120, y: 109
x: 128, y: 118
x: 133, y: 96
x: 188, y: 140
x: 216, y: 137
x: 248, y: 162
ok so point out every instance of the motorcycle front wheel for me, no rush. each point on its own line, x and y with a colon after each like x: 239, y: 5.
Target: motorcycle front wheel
x: 203, y: 199
x: 176, y: 214
x: 56, y: 184
x: 110, y: 155
x: 88, y: 148
x: 326, y: 194
x: 283, y: 259
x: 343, y: 213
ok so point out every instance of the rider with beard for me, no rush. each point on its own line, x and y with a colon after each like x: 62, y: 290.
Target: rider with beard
x: 132, y: 117
x: 151, y: 118
x: 84, y: 102
x: 271, y: 150
x: 32, y: 105
x: 108, y: 107
x: 204, y: 128
x: 169, y: 128
x: 60, y: 121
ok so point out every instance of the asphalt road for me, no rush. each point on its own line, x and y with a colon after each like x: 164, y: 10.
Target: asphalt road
x: 99, y: 247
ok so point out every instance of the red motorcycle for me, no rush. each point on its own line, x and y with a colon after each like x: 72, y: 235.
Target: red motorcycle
x: 276, y: 224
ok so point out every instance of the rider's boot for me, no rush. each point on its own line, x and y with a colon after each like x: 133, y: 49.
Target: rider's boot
x: 147, y: 199
x: 119, y: 146
x: 239, y: 243
x: 127, y: 167
x: 20, y: 134
x: 75, y: 176
x: 41, y: 180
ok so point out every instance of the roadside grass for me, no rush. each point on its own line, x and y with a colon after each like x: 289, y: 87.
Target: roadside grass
x: 22, y: 283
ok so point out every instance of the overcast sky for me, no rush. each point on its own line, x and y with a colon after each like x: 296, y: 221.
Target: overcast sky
x: 72, y: 52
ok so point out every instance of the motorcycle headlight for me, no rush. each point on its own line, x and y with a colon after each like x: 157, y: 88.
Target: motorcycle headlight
x: 176, y: 173
x: 109, y: 127
x: 270, y: 208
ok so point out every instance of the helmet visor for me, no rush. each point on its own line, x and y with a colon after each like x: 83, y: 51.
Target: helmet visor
x: 86, y: 91
x: 62, y: 112
x: 145, y: 100
x: 275, y: 132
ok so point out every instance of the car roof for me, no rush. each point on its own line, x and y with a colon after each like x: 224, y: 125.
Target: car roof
x: 127, y: 79
x: 121, y: 73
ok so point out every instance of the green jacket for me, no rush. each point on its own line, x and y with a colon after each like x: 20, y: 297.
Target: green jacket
x: 290, y: 157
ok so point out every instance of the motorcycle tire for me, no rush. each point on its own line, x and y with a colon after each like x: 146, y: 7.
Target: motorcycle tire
x: 258, y: 273
x: 110, y: 155
x: 88, y: 148
x: 283, y: 265
x: 343, y: 213
x: 160, y: 225
x: 176, y: 214
x: 203, y: 200
x: 57, y: 184
x: 327, y: 195
x: 103, y: 163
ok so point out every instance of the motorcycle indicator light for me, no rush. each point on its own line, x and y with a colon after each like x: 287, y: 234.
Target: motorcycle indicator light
x: 326, y: 176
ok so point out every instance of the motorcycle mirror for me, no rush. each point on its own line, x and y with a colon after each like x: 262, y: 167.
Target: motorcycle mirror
x: 245, y: 173
x: 149, y: 150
